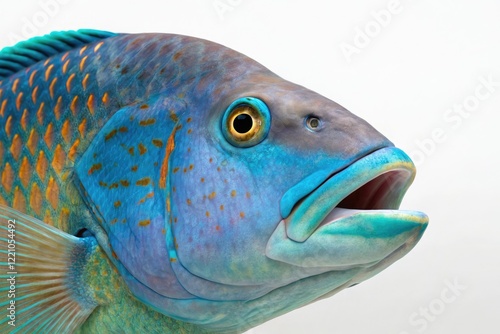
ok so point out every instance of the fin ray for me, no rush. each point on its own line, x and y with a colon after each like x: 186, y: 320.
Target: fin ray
x: 26, y: 53
x: 47, y: 273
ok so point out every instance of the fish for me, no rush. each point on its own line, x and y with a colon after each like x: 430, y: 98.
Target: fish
x: 162, y: 183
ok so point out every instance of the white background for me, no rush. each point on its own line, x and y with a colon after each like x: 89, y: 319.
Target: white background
x: 415, y: 65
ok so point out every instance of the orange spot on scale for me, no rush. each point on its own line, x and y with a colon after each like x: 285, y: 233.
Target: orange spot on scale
x: 51, y: 87
x: 145, y: 222
x: 217, y: 227
x: 52, y: 193
x: 105, y: 98
x: 68, y: 82
x: 84, y: 81
x: 82, y: 127
x: 48, y: 71
x: 90, y: 103
x: 82, y: 62
x: 19, y: 100
x: 242, y: 214
x: 157, y: 143
x: 2, y: 107
x: 34, y: 94
x: 94, y: 168
x: 7, y: 178
x: 82, y: 50
x: 32, y: 78
x: 59, y: 160
x: 32, y: 141
x: 146, y: 122
x: 3, y: 201
x: 36, y: 199
x: 221, y: 207
x: 142, y: 149
x: 65, y: 56
x: 65, y: 66
x: 74, y: 105
x: 117, y: 204
x: 15, y: 84
x: 64, y: 218
x: 110, y: 135
x: 16, y: 146
x: 8, y: 126
x: 57, y: 108
x: 143, y: 182
x: 212, y: 195
x: 73, y: 150
x: 98, y: 46
x: 40, y: 113
x: 233, y: 193
x: 24, y: 119
x: 49, y: 135
x: 41, y: 165
x: 207, y: 214
x: 66, y: 131
x: 19, y: 201
x: 48, y: 218
x: 25, y: 172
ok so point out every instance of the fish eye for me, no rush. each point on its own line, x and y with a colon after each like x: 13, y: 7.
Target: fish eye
x: 313, y: 123
x: 246, y: 122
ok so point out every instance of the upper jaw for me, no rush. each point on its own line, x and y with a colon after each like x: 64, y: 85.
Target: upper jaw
x: 352, y: 217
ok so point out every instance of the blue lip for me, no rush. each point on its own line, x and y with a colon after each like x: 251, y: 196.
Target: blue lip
x: 392, y: 168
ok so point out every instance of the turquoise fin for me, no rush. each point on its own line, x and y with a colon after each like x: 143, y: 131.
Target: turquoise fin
x: 41, y: 270
x: 26, y: 53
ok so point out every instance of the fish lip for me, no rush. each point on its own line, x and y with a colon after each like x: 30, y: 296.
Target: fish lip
x: 382, y: 177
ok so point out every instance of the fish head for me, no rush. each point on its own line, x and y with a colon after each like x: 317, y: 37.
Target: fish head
x: 279, y: 187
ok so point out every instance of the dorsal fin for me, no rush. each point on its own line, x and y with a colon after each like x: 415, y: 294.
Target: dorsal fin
x: 26, y: 53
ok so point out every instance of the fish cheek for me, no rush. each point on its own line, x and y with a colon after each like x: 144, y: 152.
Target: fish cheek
x: 214, y: 213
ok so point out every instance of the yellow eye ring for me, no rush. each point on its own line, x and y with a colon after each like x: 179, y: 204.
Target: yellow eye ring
x: 243, y: 122
x: 246, y: 122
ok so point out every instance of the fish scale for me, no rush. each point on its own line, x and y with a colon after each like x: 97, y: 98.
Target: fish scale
x: 46, y: 129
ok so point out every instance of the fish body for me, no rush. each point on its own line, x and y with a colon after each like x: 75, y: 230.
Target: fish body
x: 185, y: 187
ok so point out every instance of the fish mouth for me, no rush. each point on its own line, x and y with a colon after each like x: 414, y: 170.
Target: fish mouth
x: 352, y: 217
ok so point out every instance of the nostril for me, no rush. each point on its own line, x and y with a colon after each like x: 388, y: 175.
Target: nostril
x: 313, y: 123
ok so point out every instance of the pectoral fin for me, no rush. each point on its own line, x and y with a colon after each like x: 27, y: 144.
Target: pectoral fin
x: 41, y: 270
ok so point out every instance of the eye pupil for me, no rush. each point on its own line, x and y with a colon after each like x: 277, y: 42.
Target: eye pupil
x: 314, y: 123
x: 243, y: 123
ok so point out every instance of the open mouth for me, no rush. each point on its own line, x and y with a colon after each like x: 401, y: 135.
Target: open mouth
x: 352, y: 217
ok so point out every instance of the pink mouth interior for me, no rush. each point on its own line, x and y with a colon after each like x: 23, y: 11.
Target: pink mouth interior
x: 383, y: 192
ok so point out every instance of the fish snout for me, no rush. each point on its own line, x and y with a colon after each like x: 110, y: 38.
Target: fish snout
x: 350, y: 218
